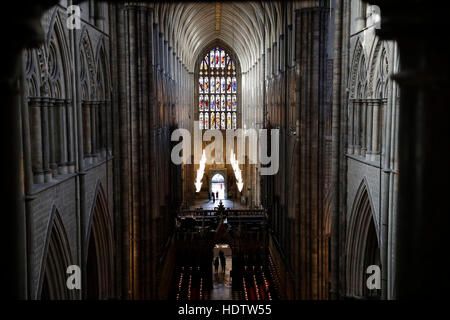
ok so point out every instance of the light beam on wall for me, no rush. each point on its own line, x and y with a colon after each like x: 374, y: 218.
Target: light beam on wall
x: 237, y: 171
x: 200, y: 172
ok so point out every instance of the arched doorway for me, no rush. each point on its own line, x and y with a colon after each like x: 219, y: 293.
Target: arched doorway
x: 218, y: 186
x: 222, y: 281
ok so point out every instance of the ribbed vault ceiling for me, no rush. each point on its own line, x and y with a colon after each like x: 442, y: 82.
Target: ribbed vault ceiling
x: 243, y: 26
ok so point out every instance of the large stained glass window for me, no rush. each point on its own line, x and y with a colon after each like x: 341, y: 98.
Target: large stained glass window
x: 217, y: 87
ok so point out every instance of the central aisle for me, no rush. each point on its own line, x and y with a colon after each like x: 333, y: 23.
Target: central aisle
x: 222, y: 283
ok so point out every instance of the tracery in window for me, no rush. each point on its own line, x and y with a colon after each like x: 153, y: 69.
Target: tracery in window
x: 217, y: 91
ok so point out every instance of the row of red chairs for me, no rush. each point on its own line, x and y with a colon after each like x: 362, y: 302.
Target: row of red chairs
x: 190, y: 284
x: 255, y: 285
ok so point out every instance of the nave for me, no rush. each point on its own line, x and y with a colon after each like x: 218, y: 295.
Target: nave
x: 113, y: 133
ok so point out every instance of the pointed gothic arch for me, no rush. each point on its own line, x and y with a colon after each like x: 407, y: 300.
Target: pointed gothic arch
x: 58, y: 53
x: 57, y: 257
x: 99, y: 244
x: 363, y: 247
x: 103, y: 84
x: 358, y: 62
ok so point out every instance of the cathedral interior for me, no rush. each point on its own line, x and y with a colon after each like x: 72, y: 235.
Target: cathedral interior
x: 349, y: 97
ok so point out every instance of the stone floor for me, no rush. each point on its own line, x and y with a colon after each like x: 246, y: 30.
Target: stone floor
x: 209, y: 205
x: 222, y: 283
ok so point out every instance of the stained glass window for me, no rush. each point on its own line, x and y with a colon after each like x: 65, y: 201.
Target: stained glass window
x: 217, y: 120
x: 213, y: 85
x: 217, y: 87
x: 213, y: 121
x: 206, y: 122
x: 201, y: 120
x: 212, y: 104
x: 206, y: 103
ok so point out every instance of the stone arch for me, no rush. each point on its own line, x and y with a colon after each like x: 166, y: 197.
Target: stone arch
x: 379, y: 70
x: 87, y: 64
x: 58, y: 57
x: 31, y: 72
x: 374, y: 62
x: 103, y: 71
x: 99, y: 244
x: 362, y: 243
x: 354, y: 79
x: 57, y: 257
x: 103, y: 85
x: 32, y: 86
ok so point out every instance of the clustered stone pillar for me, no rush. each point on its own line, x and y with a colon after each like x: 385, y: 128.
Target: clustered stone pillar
x: 94, y: 127
x: 351, y: 119
x: 70, y: 140
x: 311, y: 54
x: 45, y: 140
x: 62, y: 135
x: 36, y: 140
x: 368, y: 127
x: 86, y: 110
x: 356, y: 124
x: 96, y: 130
x: 103, y: 126
x: 376, y: 130
x: 364, y: 127
x: 51, y: 138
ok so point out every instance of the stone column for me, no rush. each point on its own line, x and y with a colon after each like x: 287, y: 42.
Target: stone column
x: 45, y: 140
x: 108, y: 128
x: 36, y: 140
x: 86, y: 109
x: 356, y: 125
x: 94, y: 130
x: 310, y: 54
x: 52, y: 139
x: 350, y: 125
x: 369, y: 116
x: 363, y: 126
x: 103, y: 126
x: 70, y: 135
x: 62, y: 135
x: 376, y: 130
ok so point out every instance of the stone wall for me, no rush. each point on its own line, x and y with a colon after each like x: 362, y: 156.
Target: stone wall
x: 370, y: 130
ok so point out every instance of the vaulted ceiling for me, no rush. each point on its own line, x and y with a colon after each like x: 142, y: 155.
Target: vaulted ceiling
x: 244, y: 26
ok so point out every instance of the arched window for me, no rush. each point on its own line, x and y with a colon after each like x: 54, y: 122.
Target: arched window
x: 218, y: 91
x: 218, y: 178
